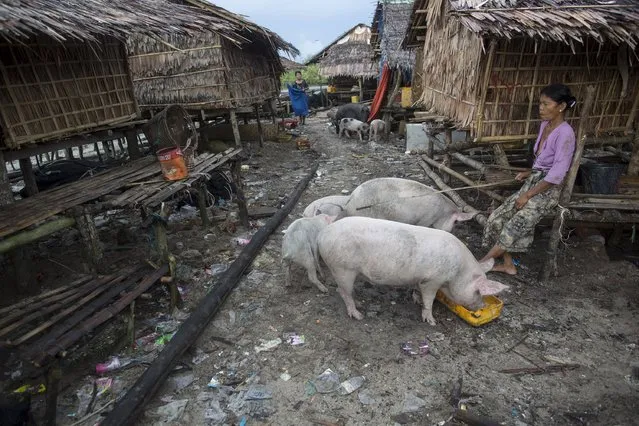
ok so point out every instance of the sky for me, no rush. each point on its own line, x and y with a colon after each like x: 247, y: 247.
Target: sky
x: 309, y: 28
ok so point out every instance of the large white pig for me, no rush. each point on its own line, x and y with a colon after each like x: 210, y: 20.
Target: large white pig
x: 299, y: 246
x: 332, y: 205
x: 406, y: 201
x: 392, y: 253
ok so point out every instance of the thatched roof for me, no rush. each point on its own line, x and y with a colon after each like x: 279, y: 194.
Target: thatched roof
x: 388, y: 31
x: 566, y: 21
x: 290, y: 65
x: 349, y: 55
x: 87, y: 19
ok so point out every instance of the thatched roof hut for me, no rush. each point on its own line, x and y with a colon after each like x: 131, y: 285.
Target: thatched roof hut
x: 64, y: 67
x: 390, y: 23
x: 290, y: 65
x: 211, y: 70
x: 484, y: 62
x: 350, y: 55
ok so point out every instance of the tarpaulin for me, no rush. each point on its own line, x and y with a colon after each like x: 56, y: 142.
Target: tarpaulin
x: 379, y: 94
x: 299, y: 100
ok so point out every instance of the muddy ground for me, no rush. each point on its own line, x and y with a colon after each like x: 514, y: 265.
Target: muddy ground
x: 587, y: 316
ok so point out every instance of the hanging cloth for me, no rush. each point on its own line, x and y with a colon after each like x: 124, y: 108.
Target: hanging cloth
x: 379, y: 93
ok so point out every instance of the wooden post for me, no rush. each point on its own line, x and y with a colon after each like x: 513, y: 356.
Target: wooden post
x: 132, y: 144
x: 96, y: 148
x: 273, y: 110
x: 448, y: 138
x: 89, y: 233
x: 27, y: 175
x: 236, y: 171
x: 236, y: 130
x: 479, y: 118
x: 159, y: 230
x: 81, y: 151
x: 259, y: 125
x: 431, y: 146
x: 53, y: 387
x: 361, y: 89
x: 107, y: 150
x: 633, y: 167
x: 6, y: 196
x: 550, y: 265
x: 70, y: 152
x: 130, y: 326
x: 201, y: 200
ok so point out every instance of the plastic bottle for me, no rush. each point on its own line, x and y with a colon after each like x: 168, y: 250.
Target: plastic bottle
x: 351, y: 385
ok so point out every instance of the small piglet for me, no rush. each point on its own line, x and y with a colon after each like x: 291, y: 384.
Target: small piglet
x: 353, y: 125
x: 332, y: 205
x: 406, y: 201
x: 299, y: 246
x: 400, y: 255
x: 377, y: 128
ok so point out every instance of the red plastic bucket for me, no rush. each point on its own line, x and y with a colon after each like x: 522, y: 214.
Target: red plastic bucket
x: 172, y: 163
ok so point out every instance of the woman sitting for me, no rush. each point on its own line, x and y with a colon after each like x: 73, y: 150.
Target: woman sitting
x: 511, y: 227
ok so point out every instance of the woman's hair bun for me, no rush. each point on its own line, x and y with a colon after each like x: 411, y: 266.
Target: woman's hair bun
x: 560, y: 93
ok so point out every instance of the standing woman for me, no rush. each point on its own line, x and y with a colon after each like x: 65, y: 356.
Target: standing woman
x: 511, y: 227
x: 298, y: 96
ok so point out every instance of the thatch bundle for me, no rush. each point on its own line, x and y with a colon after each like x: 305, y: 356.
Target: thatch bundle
x: 208, y: 70
x: 290, y: 65
x: 388, y: 30
x: 483, y: 66
x: 64, y: 68
x: 350, y: 55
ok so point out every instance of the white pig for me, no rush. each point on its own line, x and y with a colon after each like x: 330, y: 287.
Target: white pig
x: 332, y: 205
x: 391, y: 253
x: 406, y: 201
x: 353, y: 125
x: 377, y: 128
x: 299, y: 246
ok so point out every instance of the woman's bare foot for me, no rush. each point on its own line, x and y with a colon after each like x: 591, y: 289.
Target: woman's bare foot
x: 507, y: 269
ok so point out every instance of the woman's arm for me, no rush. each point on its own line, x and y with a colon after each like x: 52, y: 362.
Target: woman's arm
x: 537, y: 189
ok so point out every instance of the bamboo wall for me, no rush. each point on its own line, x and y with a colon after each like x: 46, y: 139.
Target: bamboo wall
x: 201, y: 72
x: 50, y: 90
x: 520, y: 69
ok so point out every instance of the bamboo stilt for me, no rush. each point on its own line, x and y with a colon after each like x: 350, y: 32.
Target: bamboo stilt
x: 260, y: 131
x: 89, y: 233
x: 550, y: 265
x: 448, y: 139
x: 201, y: 199
x: 6, y: 196
x: 53, y: 388
x: 69, y: 153
x: 236, y: 129
x: 132, y: 145
x: 27, y: 175
x: 26, y: 237
x: 633, y: 167
x: 236, y: 171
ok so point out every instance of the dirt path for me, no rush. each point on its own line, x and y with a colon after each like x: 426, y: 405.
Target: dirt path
x: 586, y: 316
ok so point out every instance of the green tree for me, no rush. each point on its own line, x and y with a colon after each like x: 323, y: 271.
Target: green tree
x: 309, y: 73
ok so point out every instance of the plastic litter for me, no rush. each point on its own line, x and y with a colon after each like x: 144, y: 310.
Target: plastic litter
x: 412, y: 403
x: 268, y: 345
x: 41, y: 388
x: 85, y: 396
x: 327, y: 382
x: 294, y: 339
x: 164, y: 339
x: 285, y: 377
x: 200, y: 356
x: 243, y: 421
x: 258, y: 392
x: 351, y: 385
x: 182, y: 381
x: 409, y: 348
x: 214, y: 382
x: 146, y: 340
x: 116, y: 363
x: 173, y: 411
x: 365, y: 398
x: 309, y: 388
x: 103, y: 385
x: 216, y: 269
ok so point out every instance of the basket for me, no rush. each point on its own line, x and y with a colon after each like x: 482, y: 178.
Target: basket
x: 173, y: 128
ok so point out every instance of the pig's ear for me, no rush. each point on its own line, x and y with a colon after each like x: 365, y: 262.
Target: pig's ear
x: 463, y: 217
x: 488, y: 287
x: 487, y: 265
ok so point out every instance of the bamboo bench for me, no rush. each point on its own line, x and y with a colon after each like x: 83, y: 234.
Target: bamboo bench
x: 36, y: 332
x: 141, y: 187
